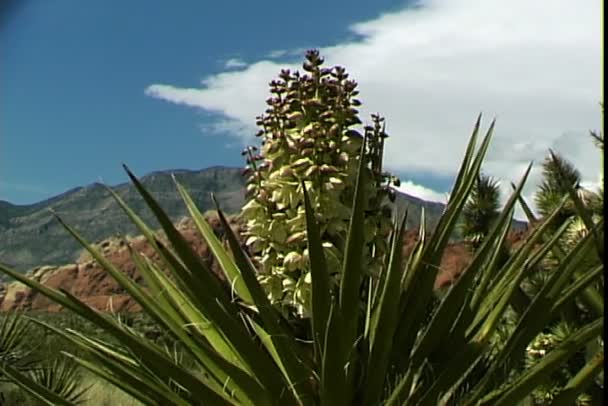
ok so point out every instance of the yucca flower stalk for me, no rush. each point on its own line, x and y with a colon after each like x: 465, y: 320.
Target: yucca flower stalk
x: 309, y: 137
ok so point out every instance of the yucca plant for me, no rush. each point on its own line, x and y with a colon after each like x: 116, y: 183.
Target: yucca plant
x: 63, y: 377
x: 481, y: 210
x: 13, y: 351
x: 558, y: 175
x: 582, y: 218
x: 400, y: 349
x: 59, y: 377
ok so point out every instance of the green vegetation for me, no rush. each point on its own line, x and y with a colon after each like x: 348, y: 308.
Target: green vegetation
x: 580, y: 216
x: 32, y: 349
x: 367, y: 338
x: 24, y: 351
x: 561, y: 195
x: 482, y: 209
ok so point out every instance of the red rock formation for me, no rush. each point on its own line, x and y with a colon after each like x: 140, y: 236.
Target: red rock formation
x: 89, y: 282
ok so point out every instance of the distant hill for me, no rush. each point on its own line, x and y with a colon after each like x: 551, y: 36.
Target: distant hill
x: 30, y: 236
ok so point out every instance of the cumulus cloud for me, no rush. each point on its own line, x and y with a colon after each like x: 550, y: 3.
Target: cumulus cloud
x: 421, y: 192
x: 234, y: 63
x: 236, y: 95
x: 430, y: 69
x: 278, y: 53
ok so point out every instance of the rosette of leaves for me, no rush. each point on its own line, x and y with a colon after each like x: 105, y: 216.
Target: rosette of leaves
x: 398, y: 351
x: 558, y: 176
x: 308, y: 135
x: 561, y: 180
x: 583, y: 208
x: 482, y: 209
x: 57, y: 378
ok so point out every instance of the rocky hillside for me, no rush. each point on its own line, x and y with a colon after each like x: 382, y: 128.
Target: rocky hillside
x: 30, y: 236
x: 87, y: 281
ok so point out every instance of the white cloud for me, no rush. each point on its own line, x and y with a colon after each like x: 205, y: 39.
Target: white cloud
x: 278, y: 53
x: 286, y: 54
x: 422, y: 192
x: 430, y: 70
x: 237, y: 95
x: 235, y: 63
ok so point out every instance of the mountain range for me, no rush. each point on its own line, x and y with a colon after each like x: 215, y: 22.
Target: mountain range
x: 30, y: 236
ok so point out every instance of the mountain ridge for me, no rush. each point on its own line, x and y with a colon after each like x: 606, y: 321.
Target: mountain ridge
x: 30, y: 236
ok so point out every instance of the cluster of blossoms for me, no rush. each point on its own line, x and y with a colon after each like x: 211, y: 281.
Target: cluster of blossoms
x: 308, y: 134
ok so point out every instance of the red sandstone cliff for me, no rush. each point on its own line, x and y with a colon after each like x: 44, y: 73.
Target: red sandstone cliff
x: 88, y: 281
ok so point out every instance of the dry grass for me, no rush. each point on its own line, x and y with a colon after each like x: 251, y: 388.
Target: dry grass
x: 103, y: 393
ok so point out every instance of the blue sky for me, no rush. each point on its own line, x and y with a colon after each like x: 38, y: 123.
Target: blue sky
x: 88, y: 85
